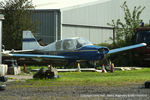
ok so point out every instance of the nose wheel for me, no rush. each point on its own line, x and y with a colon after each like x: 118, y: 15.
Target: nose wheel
x: 109, y: 66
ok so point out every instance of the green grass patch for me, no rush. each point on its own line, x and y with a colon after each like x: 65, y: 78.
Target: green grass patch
x: 28, y: 68
x: 118, y: 78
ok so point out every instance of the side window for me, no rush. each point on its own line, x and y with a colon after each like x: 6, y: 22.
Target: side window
x: 78, y: 45
x: 58, y: 45
x: 69, y: 44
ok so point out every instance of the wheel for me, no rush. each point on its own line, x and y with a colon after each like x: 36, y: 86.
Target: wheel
x: 108, y: 65
x: 2, y: 87
x: 147, y: 84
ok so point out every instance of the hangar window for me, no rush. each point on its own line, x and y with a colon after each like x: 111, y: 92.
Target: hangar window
x: 69, y: 44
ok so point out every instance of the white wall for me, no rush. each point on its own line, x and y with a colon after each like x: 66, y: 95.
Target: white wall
x: 94, y: 35
x: 98, y: 14
x: 89, y: 15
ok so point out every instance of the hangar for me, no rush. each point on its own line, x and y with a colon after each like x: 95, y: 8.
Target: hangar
x: 59, y: 19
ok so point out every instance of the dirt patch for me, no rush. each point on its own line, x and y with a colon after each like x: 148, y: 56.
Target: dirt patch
x: 19, y: 77
x: 18, y: 91
x: 24, y: 91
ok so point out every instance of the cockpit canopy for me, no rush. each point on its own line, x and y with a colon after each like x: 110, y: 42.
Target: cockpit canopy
x: 71, y: 44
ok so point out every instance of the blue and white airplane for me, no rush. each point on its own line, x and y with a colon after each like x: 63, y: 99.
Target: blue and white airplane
x: 71, y: 49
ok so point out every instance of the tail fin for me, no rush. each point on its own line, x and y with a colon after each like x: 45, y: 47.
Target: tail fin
x: 29, y: 41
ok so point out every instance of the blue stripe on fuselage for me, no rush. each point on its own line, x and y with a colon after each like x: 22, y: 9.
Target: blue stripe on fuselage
x: 93, y: 47
x: 83, y: 55
x: 89, y: 52
x: 28, y: 40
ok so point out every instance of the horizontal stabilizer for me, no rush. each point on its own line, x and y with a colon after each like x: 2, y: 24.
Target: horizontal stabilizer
x: 127, y: 48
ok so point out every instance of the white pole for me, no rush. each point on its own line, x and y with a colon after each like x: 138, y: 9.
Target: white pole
x: 0, y: 41
x: 1, y: 18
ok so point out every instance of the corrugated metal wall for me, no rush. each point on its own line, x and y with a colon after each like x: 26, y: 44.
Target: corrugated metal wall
x: 48, y: 25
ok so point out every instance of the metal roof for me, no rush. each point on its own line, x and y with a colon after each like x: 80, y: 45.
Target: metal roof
x: 62, y: 4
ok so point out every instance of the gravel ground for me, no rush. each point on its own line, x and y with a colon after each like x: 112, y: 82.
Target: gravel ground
x: 15, y: 91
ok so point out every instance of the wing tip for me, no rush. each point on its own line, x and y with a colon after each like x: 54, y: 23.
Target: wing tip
x: 144, y: 44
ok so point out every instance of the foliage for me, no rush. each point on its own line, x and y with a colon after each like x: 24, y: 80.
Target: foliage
x: 126, y: 31
x: 105, y: 44
x: 125, y: 35
x: 123, y: 58
x: 18, y: 17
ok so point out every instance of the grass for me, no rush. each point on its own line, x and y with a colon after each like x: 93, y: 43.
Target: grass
x: 118, y: 78
x: 28, y: 68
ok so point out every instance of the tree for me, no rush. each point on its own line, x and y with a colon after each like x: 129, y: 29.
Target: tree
x: 125, y: 32
x: 125, y: 35
x: 18, y: 17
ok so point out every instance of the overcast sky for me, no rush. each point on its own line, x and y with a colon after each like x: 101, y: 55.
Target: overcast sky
x: 56, y: 4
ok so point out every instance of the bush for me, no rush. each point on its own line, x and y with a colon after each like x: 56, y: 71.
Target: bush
x: 124, y: 58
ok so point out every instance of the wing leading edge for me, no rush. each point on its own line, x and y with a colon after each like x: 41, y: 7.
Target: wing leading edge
x: 127, y: 48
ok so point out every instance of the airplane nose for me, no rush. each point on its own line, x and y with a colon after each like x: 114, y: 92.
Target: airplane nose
x: 103, y: 50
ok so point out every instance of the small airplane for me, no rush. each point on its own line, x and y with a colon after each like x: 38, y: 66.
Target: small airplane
x: 75, y: 49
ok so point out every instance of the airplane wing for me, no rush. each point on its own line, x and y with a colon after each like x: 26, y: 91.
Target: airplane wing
x: 28, y: 55
x: 127, y: 48
x: 41, y: 56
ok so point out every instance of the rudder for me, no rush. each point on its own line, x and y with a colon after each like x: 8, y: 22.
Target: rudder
x: 29, y: 41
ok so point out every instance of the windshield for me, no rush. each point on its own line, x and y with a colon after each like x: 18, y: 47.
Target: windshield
x: 82, y: 42
x: 143, y: 37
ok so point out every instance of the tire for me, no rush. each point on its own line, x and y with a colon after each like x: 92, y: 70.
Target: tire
x: 147, y: 84
x: 2, y: 87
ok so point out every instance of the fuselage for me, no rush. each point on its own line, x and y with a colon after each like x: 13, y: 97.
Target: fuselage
x: 77, y: 48
x: 89, y: 52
